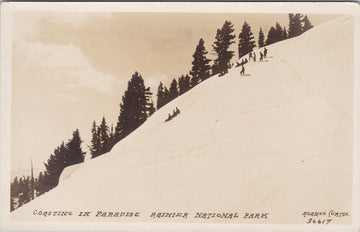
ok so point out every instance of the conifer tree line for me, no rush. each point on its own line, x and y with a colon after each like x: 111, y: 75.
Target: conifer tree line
x: 135, y: 108
x: 102, y: 138
x: 25, y: 189
x: 298, y: 24
x: 137, y: 105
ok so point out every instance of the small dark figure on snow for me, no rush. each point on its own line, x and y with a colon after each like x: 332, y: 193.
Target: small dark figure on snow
x: 175, y: 113
x: 254, y: 57
x: 261, y: 56
x: 246, y: 61
x: 265, y: 52
x: 169, y: 118
x: 250, y: 56
x: 242, y: 72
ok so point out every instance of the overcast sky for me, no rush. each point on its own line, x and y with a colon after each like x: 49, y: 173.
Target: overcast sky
x: 72, y: 68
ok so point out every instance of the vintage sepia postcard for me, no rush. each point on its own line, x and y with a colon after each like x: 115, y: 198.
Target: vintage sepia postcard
x: 192, y: 116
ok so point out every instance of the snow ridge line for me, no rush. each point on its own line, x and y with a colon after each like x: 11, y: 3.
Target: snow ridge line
x: 315, y: 93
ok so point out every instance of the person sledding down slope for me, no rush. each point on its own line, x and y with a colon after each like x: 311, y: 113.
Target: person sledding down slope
x: 175, y: 112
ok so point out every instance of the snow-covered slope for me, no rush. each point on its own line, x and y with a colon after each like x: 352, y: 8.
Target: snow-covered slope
x: 278, y: 141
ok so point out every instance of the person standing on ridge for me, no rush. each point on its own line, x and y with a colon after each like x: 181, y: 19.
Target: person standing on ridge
x: 261, y: 56
x: 254, y: 57
x: 242, y: 73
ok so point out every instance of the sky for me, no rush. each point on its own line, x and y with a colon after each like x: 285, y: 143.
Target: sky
x: 69, y: 69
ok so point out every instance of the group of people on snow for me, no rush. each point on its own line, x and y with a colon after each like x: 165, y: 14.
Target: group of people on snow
x: 252, y: 56
x: 175, y: 112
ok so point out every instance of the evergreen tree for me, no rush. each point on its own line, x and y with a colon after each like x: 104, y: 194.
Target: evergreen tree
x: 278, y: 32
x: 75, y: 155
x: 306, y: 24
x: 160, y: 96
x: 54, y: 166
x: 261, y: 42
x: 95, y: 141
x: 167, y: 96
x: 295, y: 26
x: 224, y: 38
x: 284, y: 34
x: 173, y: 89
x: 201, y: 68
x: 64, y: 156
x: 271, y: 37
x: 40, y: 188
x: 275, y: 34
x: 246, y: 40
x: 104, y: 137
x: 184, y: 84
x: 134, y: 107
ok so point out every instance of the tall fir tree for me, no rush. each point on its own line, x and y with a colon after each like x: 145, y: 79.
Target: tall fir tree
x: 167, y: 96
x: 278, y: 32
x: 134, y: 107
x: 54, y: 166
x: 200, y: 66
x: 40, y: 184
x: 104, y: 137
x: 271, y: 37
x: 284, y: 33
x: 295, y: 26
x: 184, y: 84
x: 173, y: 89
x: 95, y: 141
x: 75, y: 155
x: 246, y: 40
x: 306, y: 24
x: 64, y: 155
x: 224, y: 38
x: 261, y: 42
x: 275, y: 34
x: 160, y: 96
